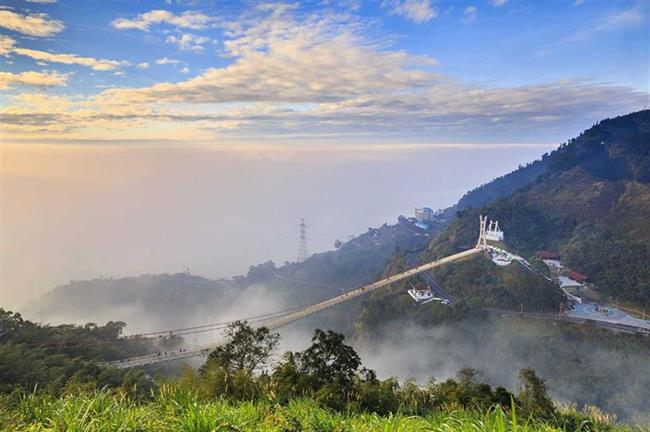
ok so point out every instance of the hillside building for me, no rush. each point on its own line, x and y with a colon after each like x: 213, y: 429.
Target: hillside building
x: 423, y: 217
x: 547, y: 255
x: 578, y: 277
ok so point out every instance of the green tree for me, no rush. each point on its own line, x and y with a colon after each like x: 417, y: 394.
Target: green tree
x: 247, y: 349
x: 329, y: 360
x: 533, y: 396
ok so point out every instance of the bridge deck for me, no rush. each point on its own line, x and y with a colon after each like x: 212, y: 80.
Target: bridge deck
x: 299, y: 314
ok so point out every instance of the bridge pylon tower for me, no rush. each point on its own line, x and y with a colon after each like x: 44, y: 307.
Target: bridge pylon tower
x: 482, y: 239
x: 488, y: 231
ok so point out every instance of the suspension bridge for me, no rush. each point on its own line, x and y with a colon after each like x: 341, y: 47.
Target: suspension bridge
x: 280, y: 319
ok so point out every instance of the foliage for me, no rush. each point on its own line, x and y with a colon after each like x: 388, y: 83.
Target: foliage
x: 532, y: 395
x: 247, y: 348
x: 175, y: 409
x: 62, y: 358
x: 330, y: 372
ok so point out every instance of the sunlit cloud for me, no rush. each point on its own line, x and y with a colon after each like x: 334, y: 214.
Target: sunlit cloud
x: 418, y: 11
x: 31, y: 24
x: 6, y: 45
x: 189, y: 19
x: 167, y: 61
x: 188, y: 41
x: 33, y: 78
x: 318, y: 76
x: 71, y: 59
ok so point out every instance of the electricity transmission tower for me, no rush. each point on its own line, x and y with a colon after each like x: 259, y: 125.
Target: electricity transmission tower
x: 302, y: 246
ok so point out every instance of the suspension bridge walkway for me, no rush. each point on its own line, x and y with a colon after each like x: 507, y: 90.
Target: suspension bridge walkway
x: 277, y: 320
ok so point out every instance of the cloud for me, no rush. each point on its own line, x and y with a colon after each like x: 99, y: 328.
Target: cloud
x: 320, y: 74
x: 498, y: 3
x: 35, y: 24
x: 188, y: 41
x: 167, y: 61
x: 6, y: 45
x: 143, y: 65
x: 469, y: 15
x: 33, y: 78
x: 628, y: 18
x: 185, y: 70
x: 70, y: 59
x: 189, y: 19
x: 418, y: 11
x: 42, y: 1
x: 631, y: 18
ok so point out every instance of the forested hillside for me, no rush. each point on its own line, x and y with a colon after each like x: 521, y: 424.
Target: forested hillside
x: 63, y: 358
x: 591, y: 204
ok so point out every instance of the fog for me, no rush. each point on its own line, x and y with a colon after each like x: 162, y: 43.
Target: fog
x: 602, y: 372
x: 80, y: 212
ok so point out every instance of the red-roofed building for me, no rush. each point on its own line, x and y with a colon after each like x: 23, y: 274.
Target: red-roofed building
x: 547, y: 255
x: 578, y: 277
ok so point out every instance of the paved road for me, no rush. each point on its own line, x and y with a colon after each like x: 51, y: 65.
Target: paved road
x: 623, y: 328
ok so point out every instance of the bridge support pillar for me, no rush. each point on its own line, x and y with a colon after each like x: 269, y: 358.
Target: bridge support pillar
x: 482, y: 239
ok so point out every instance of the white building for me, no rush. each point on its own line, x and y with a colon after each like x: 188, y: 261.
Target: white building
x: 424, y: 215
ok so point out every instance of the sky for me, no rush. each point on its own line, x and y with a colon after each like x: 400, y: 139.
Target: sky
x: 386, y: 71
x: 152, y: 136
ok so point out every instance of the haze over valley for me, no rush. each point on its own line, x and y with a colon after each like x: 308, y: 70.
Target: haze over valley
x: 216, y: 212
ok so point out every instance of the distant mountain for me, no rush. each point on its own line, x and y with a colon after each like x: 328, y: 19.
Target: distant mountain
x: 146, y: 302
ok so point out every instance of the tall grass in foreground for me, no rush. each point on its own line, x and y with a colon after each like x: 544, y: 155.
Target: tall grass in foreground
x: 181, y: 410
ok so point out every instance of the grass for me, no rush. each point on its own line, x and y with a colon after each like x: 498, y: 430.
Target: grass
x: 180, y: 410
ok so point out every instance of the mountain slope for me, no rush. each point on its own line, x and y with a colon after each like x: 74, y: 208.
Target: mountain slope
x: 592, y: 204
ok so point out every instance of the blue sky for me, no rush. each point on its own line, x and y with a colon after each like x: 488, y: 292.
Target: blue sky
x: 384, y: 72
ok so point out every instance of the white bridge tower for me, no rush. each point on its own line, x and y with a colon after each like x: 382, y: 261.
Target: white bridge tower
x: 488, y: 231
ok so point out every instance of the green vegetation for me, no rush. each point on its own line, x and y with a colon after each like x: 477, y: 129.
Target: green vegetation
x: 174, y: 409
x: 321, y: 388
x: 475, y: 282
x: 330, y: 373
x: 63, y: 357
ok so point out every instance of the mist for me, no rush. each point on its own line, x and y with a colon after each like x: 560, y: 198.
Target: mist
x: 600, y: 371
x: 83, y: 212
